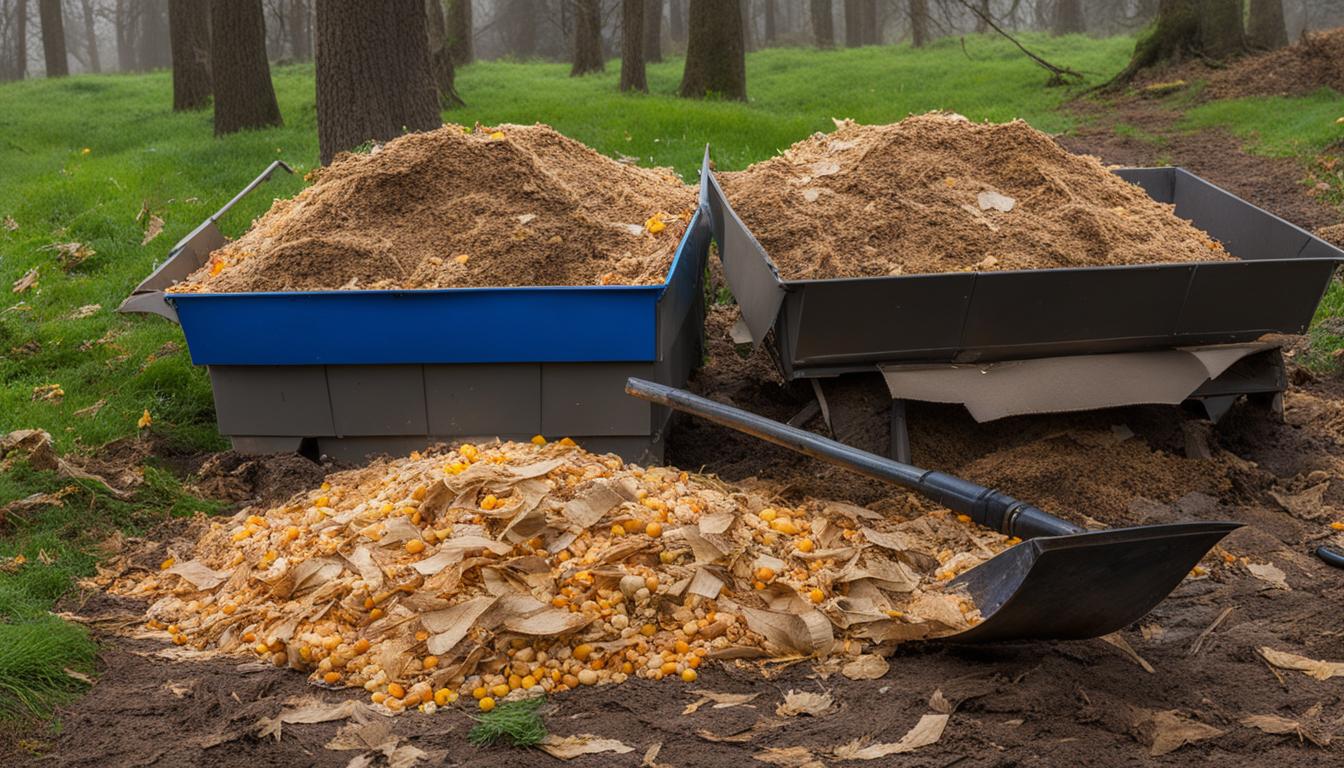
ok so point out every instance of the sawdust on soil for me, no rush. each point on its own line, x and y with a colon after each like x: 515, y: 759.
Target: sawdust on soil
x: 939, y: 193
x: 1313, y: 62
x: 512, y: 205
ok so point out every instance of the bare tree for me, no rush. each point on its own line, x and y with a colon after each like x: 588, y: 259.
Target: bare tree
x: 632, y: 46
x: 126, y: 25
x: 771, y: 22
x: 53, y: 37
x: 872, y: 27
x: 1264, y: 26
x: 676, y: 20
x: 919, y: 22
x: 823, y: 23
x: 653, y: 30
x: 853, y: 23
x: 91, y: 36
x: 189, y: 26
x: 373, y: 74
x: 241, y: 76
x: 460, y: 42
x: 716, y: 60
x: 154, y: 50
x: 587, y: 38
x: 441, y: 55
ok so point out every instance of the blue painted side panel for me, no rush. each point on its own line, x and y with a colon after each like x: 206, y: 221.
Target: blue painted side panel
x: 456, y: 325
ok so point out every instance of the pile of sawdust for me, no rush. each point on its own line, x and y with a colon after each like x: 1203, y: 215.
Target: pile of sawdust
x: 1316, y: 61
x: 515, y: 569
x: 938, y: 193
x: 509, y: 206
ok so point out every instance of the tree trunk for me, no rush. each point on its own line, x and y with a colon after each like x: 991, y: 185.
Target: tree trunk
x: 460, y: 43
x: 587, y: 38
x: 748, y: 44
x: 981, y: 26
x: 771, y: 23
x: 853, y: 24
x: 244, y: 97
x: 1265, y: 28
x: 872, y: 30
x: 373, y: 76
x: 823, y: 23
x: 1068, y: 18
x: 21, y: 40
x: 919, y: 23
x: 53, y: 37
x: 632, y: 46
x: 520, y: 27
x: 124, y: 27
x: 676, y: 21
x: 300, y: 30
x: 91, y: 37
x: 155, y: 50
x: 716, y: 61
x: 653, y: 30
x: 441, y: 55
x: 1220, y: 34
x: 189, y: 27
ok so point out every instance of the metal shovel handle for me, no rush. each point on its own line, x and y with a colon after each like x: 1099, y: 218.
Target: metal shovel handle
x: 988, y: 507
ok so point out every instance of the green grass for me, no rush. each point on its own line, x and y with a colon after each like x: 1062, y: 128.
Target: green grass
x: 516, y: 724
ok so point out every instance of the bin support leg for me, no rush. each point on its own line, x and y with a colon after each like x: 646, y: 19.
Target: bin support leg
x: 900, y: 433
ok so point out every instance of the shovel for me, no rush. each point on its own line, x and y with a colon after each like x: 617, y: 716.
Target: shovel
x: 1062, y: 582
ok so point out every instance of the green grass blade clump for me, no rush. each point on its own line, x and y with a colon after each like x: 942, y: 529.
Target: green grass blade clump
x: 517, y: 723
x: 34, y: 657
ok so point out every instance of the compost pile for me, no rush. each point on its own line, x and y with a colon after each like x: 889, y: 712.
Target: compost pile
x: 512, y: 569
x: 1316, y: 61
x: 507, y: 206
x: 938, y: 193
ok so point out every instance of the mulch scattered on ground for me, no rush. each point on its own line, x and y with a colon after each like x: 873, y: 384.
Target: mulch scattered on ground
x: 939, y: 193
x: 1313, y: 62
x: 507, y: 206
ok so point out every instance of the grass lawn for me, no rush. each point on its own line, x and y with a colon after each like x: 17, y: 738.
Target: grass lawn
x: 91, y: 160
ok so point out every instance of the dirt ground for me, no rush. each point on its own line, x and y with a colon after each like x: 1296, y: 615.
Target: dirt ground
x: 1021, y: 704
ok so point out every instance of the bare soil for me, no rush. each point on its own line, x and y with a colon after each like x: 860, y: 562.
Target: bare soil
x: 939, y: 193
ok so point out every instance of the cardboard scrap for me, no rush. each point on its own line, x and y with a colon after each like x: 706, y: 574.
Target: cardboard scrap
x: 570, y: 747
x: 1321, y: 670
x: 1271, y: 574
x: 927, y: 731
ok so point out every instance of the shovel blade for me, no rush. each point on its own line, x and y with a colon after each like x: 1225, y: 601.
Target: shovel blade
x: 1083, y: 585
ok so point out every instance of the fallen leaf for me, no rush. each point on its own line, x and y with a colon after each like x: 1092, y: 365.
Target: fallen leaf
x: 152, y: 229
x: 651, y: 755
x: 71, y: 254
x: 49, y: 392
x: 1120, y: 642
x: 200, y: 575
x: 720, y: 700
x: 867, y: 667
x: 939, y: 703
x: 77, y: 675
x: 1276, y: 725
x: 145, y: 420
x: 1270, y: 574
x: 88, y: 310
x: 1321, y: 670
x: 28, y: 280
x: 570, y: 747
x: 1169, y: 730
x: 308, y: 709
x: 11, y: 224
x: 1308, y: 504
x: 804, y: 703
x: 927, y: 731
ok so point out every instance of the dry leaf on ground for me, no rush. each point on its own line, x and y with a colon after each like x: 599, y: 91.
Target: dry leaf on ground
x: 1117, y: 640
x: 152, y: 229
x: 804, y: 703
x: 308, y: 709
x: 789, y: 757
x: 1321, y: 670
x: 28, y: 280
x: 867, y: 667
x: 720, y: 700
x: 927, y: 731
x: 1169, y: 730
x: 11, y: 224
x: 570, y: 747
x: 1276, y: 725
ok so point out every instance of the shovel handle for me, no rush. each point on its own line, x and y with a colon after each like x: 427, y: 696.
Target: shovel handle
x: 987, y: 507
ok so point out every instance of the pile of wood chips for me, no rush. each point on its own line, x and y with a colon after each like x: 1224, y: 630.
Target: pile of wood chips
x: 508, y: 570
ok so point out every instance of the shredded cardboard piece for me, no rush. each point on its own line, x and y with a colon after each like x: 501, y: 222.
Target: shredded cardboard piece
x: 866, y: 667
x: 1320, y: 670
x: 514, y: 205
x: 927, y: 731
x: 1306, y: 504
x: 570, y: 747
x: 1169, y: 730
x: 804, y: 703
x: 415, y: 579
x: 1271, y: 574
